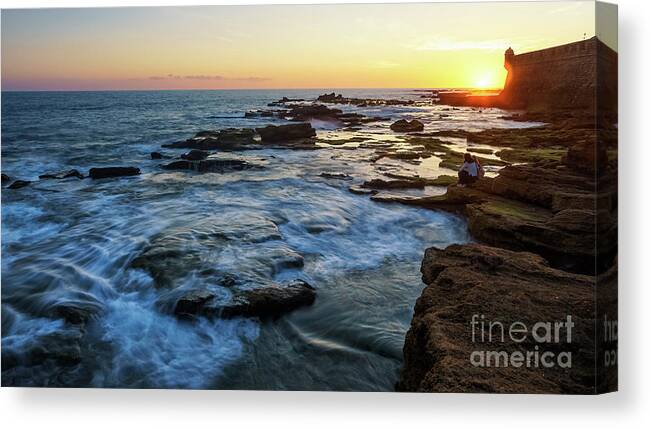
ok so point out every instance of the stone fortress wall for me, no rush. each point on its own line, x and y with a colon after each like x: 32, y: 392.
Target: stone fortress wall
x: 578, y: 76
x: 561, y: 77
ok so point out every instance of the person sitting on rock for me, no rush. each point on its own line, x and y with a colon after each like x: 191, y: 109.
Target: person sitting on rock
x: 469, y: 171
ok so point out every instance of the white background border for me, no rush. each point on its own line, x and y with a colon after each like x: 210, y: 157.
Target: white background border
x: 631, y: 406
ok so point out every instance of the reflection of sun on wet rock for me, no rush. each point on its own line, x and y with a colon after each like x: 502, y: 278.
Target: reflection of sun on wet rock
x: 115, y: 171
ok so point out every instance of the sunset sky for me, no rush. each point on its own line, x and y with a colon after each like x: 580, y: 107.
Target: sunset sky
x: 309, y: 46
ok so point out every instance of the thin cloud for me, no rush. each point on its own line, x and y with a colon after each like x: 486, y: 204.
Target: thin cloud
x: 208, y: 77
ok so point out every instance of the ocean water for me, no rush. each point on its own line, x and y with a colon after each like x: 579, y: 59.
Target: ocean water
x: 71, y: 242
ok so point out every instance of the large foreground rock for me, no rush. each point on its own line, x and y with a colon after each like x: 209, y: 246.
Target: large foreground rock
x: 480, y: 283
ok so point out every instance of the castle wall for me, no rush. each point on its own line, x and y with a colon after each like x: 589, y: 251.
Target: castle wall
x: 579, y: 76
x: 561, y: 77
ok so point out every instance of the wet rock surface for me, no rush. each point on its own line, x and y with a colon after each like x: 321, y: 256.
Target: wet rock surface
x: 18, y: 184
x: 407, y: 126
x: 62, y: 174
x: 271, y: 301
x: 361, y: 102
x: 225, y: 139
x: 275, y: 134
x: 264, y: 302
x: 558, y: 214
x: 194, y: 155
x: 210, y: 165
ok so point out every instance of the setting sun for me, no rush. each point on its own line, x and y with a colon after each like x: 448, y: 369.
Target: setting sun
x: 488, y: 81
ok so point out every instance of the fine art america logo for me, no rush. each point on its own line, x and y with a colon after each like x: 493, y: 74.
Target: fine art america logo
x: 489, y: 333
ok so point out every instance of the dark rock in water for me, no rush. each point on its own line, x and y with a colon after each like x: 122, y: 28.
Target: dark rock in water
x: 335, y: 175
x: 116, y: 171
x: 191, y: 250
x: 289, y: 100
x: 225, y: 139
x: 194, y: 155
x: 416, y: 183
x: 358, y: 190
x: 270, y: 301
x: 306, y: 112
x: 273, y: 134
x: 407, y: 126
x: 5, y: 179
x: 211, y: 165
x: 62, y: 347
x: 193, y: 302
x: 331, y: 98
x: 76, y: 312
x: 361, y: 102
x: 62, y: 174
x: 156, y: 155
x: 466, y: 281
x: 18, y: 184
x: 265, y: 113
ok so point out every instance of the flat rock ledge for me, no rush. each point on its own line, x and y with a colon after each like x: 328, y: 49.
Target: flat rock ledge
x: 543, y: 208
x: 210, y: 165
x: 297, y: 136
x: 474, y: 283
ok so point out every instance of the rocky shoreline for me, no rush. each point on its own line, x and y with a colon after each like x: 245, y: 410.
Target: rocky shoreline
x: 547, y: 227
x: 551, y: 195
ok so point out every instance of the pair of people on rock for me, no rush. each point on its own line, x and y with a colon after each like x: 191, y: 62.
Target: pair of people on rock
x: 470, y: 171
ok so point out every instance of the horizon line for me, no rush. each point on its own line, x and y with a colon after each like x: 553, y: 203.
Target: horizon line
x: 429, y: 88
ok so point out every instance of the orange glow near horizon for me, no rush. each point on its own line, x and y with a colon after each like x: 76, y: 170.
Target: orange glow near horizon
x: 426, y: 45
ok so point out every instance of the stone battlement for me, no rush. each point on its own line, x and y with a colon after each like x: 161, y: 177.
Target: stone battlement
x: 579, y: 76
x: 583, y: 48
